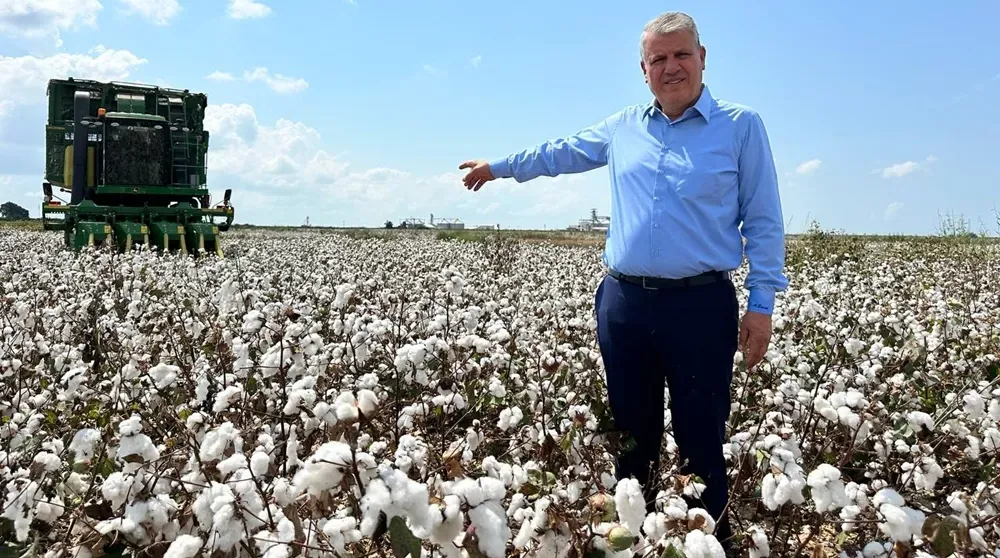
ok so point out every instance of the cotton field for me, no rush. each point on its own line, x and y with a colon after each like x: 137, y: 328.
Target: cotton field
x: 325, y: 395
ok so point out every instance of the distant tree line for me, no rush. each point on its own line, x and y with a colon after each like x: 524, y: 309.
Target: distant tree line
x: 10, y: 211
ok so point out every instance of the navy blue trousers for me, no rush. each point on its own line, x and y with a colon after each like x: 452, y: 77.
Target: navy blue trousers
x: 685, y: 338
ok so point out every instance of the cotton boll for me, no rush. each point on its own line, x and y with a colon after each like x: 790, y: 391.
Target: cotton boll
x: 655, y: 526
x: 956, y: 500
x: 216, y: 441
x: 876, y: 550
x: 19, y: 506
x: 324, y: 470
x: 232, y: 463
x: 491, y: 527
x: 919, y: 420
x: 991, y: 439
x: 927, y: 474
x: 367, y: 402
x: 901, y: 523
x: 887, y: 496
x: 50, y: 509
x: 164, y: 375
x: 184, y: 546
x: 48, y: 461
x: 347, y: 407
x: 509, y: 418
x: 848, y: 514
x: 130, y: 426
x: 699, y: 516
x: 630, y: 503
x: 260, y: 462
x: 493, y: 489
x: 975, y: 405
x: 759, y: 545
x: 697, y: 544
x: 84, y: 443
x: 828, y: 491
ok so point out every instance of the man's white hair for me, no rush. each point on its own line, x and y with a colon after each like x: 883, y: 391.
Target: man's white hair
x: 668, y: 22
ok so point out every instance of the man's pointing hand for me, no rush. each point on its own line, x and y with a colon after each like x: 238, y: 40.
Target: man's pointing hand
x: 479, y: 175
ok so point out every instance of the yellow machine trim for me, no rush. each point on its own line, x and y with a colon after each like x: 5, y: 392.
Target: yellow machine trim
x: 68, y: 167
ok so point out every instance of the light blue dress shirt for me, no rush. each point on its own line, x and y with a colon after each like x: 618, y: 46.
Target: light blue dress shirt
x: 680, y: 191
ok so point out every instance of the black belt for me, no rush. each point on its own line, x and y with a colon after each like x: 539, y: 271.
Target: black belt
x: 663, y: 283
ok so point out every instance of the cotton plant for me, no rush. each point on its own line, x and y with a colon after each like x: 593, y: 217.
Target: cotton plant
x: 452, y: 395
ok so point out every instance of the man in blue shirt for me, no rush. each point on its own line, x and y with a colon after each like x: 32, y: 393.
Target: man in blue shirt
x: 691, y: 178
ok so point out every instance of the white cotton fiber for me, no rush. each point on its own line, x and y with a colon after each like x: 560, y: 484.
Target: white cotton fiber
x: 630, y: 504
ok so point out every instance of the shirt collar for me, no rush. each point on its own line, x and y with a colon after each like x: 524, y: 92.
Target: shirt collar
x: 703, y: 105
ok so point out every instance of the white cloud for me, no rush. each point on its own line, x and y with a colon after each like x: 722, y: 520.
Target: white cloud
x: 158, y: 12
x: 277, y: 82
x: 23, y: 78
x: 476, y: 61
x: 892, y: 209
x: 808, y: 166
x: 899, y: 169
x: 902, y: 169
x: 433, y: 71
x: 551, y: 198
x: 289, y: 162
x: 247, y: 9
x: 44, y: 19
x: 285, y: 155
x: 220, y: 76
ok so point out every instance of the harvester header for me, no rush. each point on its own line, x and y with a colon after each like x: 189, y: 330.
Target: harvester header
x: 133, y: 159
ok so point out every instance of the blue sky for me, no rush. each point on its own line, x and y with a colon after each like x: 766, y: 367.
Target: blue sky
x: 880, y: 115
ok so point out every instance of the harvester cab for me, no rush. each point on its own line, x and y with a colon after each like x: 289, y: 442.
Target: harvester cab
x: 133, y: 159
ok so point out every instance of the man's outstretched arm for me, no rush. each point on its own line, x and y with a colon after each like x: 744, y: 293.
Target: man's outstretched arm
x: 583, y: 151
x: 763, y: 228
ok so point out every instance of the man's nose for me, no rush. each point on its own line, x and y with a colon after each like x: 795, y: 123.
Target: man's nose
x: 671, y: 66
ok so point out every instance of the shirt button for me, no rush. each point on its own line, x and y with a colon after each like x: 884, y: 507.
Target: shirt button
x: 656, y: 198
x: 656, y: 253
x: 656, y: 225
x: 659, y: 172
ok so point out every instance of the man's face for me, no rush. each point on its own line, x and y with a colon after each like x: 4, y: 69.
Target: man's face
x: 673, y: 65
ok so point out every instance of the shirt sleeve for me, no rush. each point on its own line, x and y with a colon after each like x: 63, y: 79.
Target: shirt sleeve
x: 586, y: 150
x: 760, y: 211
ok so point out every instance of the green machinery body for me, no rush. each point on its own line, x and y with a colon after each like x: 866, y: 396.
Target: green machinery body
x: 133, y: 158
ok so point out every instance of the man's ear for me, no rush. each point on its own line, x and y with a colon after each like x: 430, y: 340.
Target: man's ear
x: 645, y: 75
x: 703, y: 52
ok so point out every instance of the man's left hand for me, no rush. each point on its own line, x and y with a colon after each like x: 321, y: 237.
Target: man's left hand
x: 755, y: 335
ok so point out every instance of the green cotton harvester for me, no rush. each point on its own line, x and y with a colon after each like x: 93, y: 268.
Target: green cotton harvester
x: 133, y: 159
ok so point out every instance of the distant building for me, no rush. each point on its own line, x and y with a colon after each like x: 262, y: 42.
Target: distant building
x: 413, y: 223
x: 449, y: 224
x: 597, y: 223
x: 444, y: 224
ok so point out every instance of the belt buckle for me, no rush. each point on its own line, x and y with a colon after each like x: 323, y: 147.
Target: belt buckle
x: 644, y: 284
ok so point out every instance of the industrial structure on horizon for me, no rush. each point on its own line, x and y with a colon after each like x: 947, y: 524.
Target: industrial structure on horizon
x: 448, y: 223
x: 595, y: 223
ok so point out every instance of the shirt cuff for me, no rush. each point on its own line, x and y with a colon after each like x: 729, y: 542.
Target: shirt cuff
x: 500, y: 168
x: 761, y: 301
